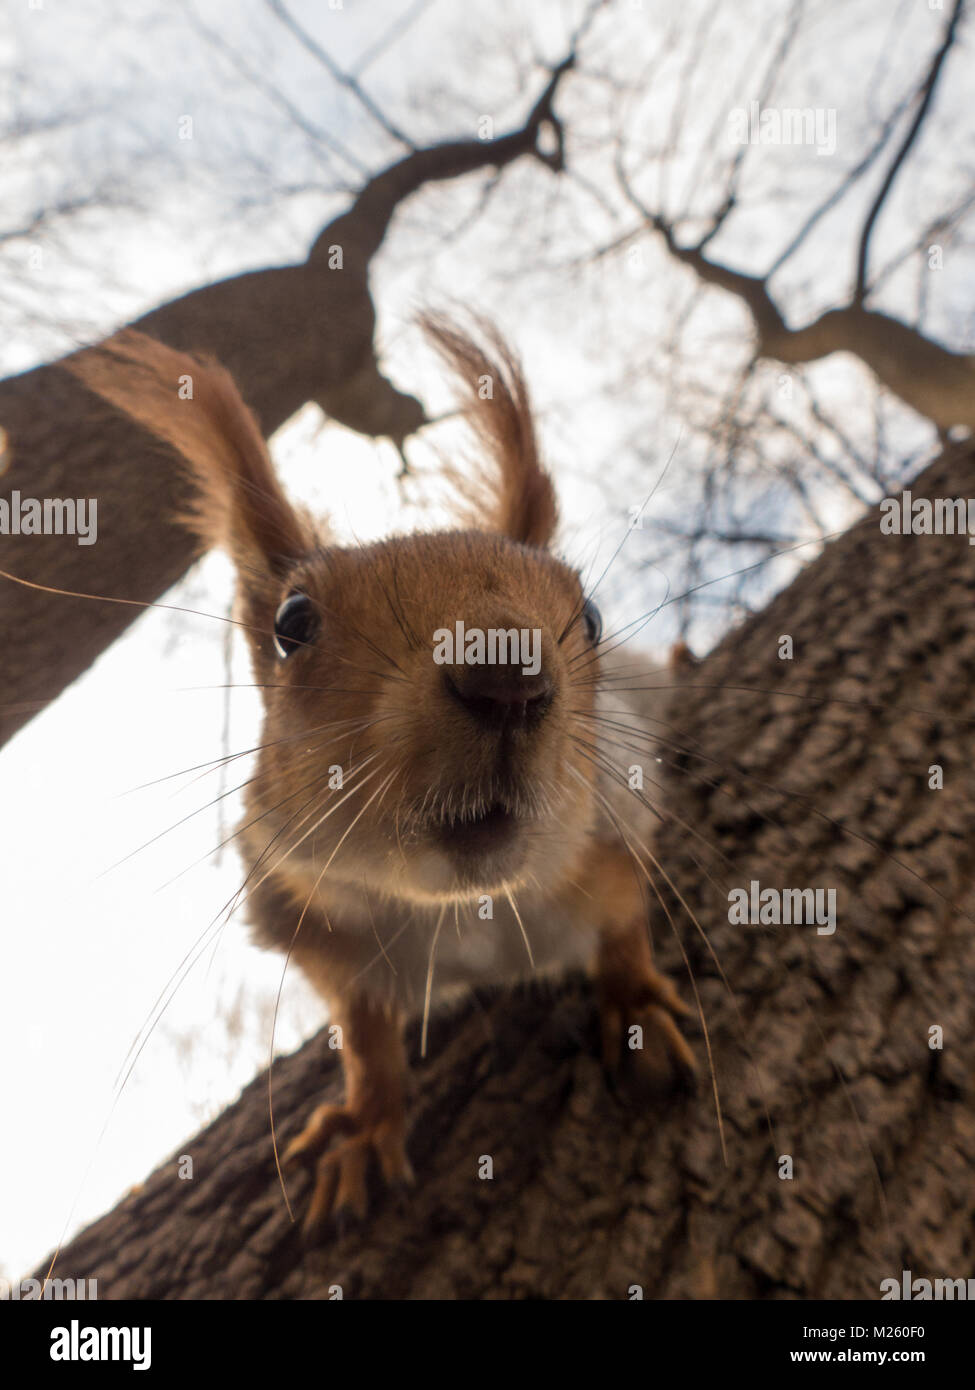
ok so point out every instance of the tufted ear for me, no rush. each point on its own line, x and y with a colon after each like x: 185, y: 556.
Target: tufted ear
x: 193, y: 405
x: 520, y: 495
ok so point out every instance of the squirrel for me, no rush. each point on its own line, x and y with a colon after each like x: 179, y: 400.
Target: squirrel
x: 436, y: 801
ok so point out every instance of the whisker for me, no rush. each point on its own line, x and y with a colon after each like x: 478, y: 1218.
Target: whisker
x: 169, y: 990
x: 800, y: 798
x: 521, y: 927
x: 277, y: 1000
x: 732, y: 997
x: 230, y: 757
x: 429, y: 985
x: 687, y: 964
x: 587, y: 594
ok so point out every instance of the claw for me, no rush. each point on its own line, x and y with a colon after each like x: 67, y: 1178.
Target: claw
x: 650, y: 1003
x: 342, y: 1170
x: 326, y: 1122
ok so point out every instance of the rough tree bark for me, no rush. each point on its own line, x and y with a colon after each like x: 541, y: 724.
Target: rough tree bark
x: 804, y: 773
x: 289, y: 335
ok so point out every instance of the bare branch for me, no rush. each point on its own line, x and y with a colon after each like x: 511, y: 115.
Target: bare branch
x: 395, y: 31
x: 927, y: 93
x: 934, y: 381
x: 274, y: 95
x: 335, y: 72
x: 766, y: 87
x: 853, y: 177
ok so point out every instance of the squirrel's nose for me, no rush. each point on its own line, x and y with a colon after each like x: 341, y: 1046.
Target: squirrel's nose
x: 501, y: 696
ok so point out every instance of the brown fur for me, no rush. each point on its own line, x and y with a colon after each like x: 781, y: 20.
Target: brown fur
x: 463, y: 784
x: 240, y: 506
x: 521, y: 504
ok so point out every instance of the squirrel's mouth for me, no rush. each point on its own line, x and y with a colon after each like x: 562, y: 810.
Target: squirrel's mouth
x: 487, y: 832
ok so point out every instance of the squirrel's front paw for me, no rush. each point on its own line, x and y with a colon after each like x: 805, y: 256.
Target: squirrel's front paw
x: 638, y: 1015
x: 342, y: 1170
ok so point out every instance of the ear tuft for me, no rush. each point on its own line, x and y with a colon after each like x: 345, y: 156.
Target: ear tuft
x: 522, y: 501
x: 192, y: 404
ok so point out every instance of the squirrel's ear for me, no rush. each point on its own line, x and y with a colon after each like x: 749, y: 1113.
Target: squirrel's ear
x: 519, y: 498
x: 193, y: 405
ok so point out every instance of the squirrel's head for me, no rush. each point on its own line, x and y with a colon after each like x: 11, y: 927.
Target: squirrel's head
x: 429, y: 699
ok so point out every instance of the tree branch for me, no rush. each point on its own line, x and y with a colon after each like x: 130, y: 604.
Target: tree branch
x: 927, y: 91
x: 937, y: 383
x: 335, y: 72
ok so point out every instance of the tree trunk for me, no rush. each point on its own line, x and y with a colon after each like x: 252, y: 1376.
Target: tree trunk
x: 288, y: 335
x: 812, y: 772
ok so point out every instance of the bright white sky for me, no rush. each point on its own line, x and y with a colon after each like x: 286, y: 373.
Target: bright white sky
x: 88, y: 947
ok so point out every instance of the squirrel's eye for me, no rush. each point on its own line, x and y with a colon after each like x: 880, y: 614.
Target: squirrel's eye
x: 295, y: 624
x: 592, y: 621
